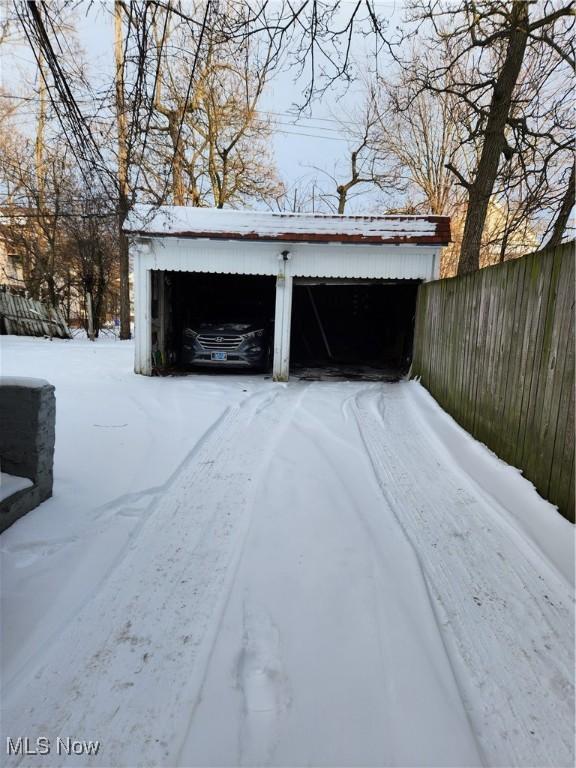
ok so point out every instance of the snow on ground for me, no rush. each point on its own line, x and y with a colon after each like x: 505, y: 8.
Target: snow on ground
x: 236, y: 572
x: 119, y: 440
x: 11, y: 484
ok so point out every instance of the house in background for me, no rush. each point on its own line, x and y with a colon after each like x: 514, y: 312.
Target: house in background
x: 11, y: 270
x: 505, y: 237
x: 338, y: 290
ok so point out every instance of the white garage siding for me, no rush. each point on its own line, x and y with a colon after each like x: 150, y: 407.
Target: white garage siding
x: 152, y: 250
x: 380, y: 262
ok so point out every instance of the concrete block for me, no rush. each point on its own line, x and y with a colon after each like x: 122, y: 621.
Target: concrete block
x: 27, y: 437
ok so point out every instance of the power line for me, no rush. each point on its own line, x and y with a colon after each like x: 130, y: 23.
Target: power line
x: 336, y: 121
x: 37, y: 98
x: 156, y: 76
x: 312, y: 135
x: 275, y: 128
x: 76, y: 129
x: 298, y: 117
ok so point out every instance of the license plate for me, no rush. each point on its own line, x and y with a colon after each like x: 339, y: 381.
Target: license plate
x: 219, y: 356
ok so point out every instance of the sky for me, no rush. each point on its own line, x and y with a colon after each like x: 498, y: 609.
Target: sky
x: 305, y: 149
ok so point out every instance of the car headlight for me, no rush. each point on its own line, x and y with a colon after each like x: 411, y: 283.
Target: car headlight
x: 254, y: 334
x: 190, y: 334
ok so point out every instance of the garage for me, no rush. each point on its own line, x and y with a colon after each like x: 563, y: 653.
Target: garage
x: 304, y: 294
x: 351, y: 328
x: 217, y: 306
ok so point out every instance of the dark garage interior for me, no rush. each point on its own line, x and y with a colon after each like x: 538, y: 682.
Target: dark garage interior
x: 340, y: 328
x: 357, y: 329
x: 187, y: 299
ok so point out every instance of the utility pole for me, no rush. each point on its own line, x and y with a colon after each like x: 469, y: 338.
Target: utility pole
x: 40, y: 131
x: 123, y: 190
x: 40, y: 171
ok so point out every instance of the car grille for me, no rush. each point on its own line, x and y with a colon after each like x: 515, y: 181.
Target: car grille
x: 224, y: 342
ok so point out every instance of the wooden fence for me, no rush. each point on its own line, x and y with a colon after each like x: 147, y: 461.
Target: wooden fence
x: 22, y: 316
x: 496, y: 350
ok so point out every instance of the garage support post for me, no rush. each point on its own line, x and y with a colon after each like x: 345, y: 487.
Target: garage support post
x: 282, y: 323
x: 143, y: 319
x: 162, y: 317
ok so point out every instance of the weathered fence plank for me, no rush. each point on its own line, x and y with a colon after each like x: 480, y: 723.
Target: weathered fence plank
x: 23, y: 316
x: 551, y: 373
x: 513, y: 391
x: 496, y: 349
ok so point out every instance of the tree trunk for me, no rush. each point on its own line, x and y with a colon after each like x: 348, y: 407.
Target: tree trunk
x: 99, y: 294
x: 68, y: 295
x: 564, y: 212
x: 90, y: 316
x: 342, y: 195
x: 178, y: 195
x: 123, y: 196
x: 481, y: 189
x: 124, y: 263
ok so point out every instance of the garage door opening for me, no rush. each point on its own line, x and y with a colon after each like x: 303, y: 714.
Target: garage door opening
x: 216, y: 322
x: 352, y: 329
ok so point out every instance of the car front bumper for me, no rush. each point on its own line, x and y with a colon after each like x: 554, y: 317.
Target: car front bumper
x: 242, y: 357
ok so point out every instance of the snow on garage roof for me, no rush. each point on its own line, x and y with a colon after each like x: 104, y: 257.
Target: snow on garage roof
x: 186, y: 221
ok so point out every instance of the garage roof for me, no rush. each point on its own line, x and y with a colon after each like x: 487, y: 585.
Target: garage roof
x: 226, y: 224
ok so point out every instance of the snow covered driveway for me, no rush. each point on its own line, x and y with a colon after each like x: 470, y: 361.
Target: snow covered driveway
x: 305, y: 574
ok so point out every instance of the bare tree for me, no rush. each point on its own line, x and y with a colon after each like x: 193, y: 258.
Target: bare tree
x: 423, y: 132
x: 368, y: 162
x: 299, y: 198
x: 64, y: 237
x: 92, y: 241
x: 315, y: 36
x: 6, y: 24
x: 32, y: 227
x: 566, y: 208
x: 488, y: 45
x: 123, y: 168
x: 364, y: 165
x: 215, y: 144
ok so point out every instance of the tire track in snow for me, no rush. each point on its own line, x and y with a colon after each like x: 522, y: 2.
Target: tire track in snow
x: 137, y: 504
x: 507, y: 623
x: 264, y: 685
x: 129, y: 667
x: 378, y: 542
x: 320, y: 656
x: 292, y: 400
